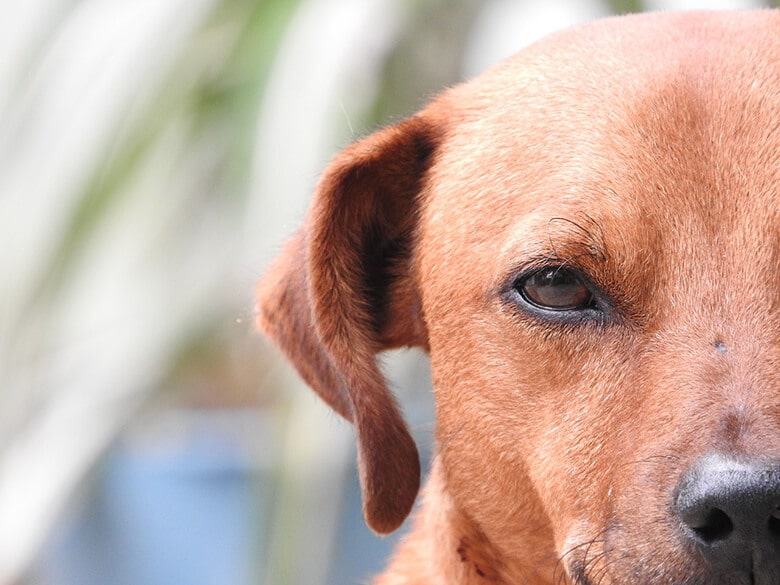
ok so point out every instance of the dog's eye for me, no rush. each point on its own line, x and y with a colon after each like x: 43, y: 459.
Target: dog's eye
x: 555, y: 289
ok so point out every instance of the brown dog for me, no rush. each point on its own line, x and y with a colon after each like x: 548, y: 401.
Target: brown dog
x: 586, y: 241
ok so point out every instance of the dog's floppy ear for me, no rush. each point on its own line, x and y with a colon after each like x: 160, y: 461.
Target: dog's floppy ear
x: 344, y: 289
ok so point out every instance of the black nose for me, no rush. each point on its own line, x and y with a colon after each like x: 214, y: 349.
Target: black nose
x: 730, y: 511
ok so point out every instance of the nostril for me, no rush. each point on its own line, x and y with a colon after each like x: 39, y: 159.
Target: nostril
x: 716, y: 525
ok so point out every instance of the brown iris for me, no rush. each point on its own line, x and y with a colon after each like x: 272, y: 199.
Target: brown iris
x: 556, y: 289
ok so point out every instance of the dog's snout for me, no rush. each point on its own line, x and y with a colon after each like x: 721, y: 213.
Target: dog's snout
x: 730, y: 511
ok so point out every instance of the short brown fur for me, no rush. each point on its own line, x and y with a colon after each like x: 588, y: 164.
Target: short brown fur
x: 643, y: 151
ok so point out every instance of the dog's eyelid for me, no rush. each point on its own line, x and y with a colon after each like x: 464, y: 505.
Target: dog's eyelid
x: 588, y: 303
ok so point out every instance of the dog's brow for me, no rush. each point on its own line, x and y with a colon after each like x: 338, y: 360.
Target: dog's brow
x: 560, y: 240
x: 575, y: 241
x: 582, y: 237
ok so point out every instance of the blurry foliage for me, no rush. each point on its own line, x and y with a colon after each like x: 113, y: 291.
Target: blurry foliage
x: 209, y: 99
x: 212, y: 91
x: 163, y: 176
x: 625, y: 6
x: 427, y: 57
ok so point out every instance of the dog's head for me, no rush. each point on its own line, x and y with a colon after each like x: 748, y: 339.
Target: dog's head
x: 586, y: 240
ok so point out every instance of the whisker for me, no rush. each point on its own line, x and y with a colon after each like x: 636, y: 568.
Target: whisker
x: 445, y: 443
x: 559, y: 570
x: 594, y: 244
x: 654, y: 459
x: 596, y: 577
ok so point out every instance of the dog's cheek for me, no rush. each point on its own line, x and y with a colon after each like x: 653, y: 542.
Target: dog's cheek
x: 481, y: 437
x: 581, y: 436
x: 524, y: 429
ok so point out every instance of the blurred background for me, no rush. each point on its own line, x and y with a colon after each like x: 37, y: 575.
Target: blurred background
x: 154, y: 154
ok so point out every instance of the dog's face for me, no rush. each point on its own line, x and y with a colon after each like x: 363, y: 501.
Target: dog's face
x: 586, y: 240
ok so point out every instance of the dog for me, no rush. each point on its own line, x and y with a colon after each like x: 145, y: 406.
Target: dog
x: 585, y: 239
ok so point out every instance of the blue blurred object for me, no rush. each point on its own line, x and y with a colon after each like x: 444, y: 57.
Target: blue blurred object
x: 185, y: 512
x: 361, y: 554
x: 194, y: 497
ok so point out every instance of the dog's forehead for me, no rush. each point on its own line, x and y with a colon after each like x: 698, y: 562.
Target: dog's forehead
x: 663, y: 166
x: 644, y: 128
